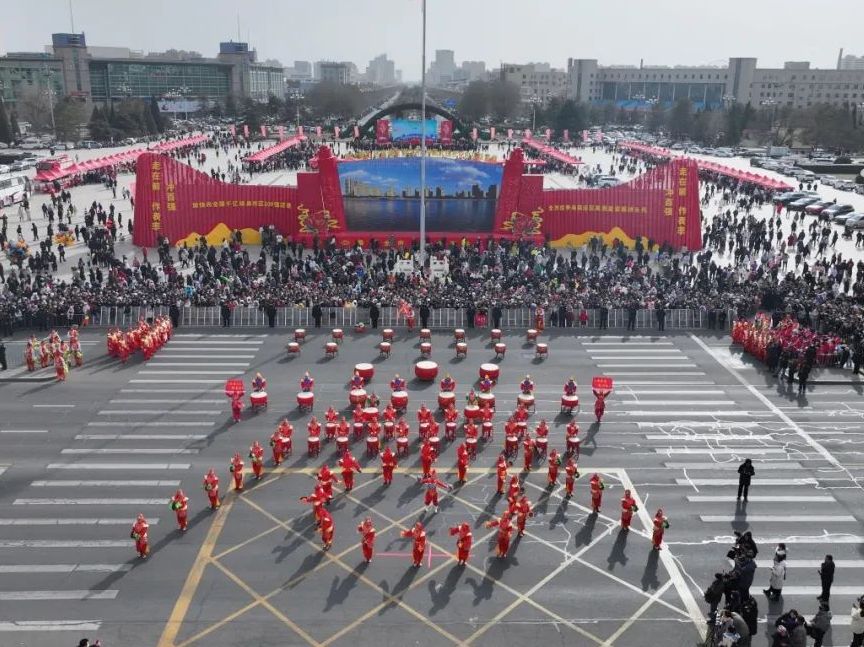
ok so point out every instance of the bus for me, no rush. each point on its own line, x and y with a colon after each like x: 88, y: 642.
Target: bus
x: 12, y: 189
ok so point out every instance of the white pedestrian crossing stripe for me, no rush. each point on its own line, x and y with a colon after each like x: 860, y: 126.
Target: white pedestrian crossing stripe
x: 43, y: 596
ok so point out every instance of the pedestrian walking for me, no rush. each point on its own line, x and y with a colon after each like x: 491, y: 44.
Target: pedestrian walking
x: 746, y: 471
x: 778, y: 576
x: 826, y: 576
x: 803, y: 375
x: 3, y: 365
x: 819, y: 625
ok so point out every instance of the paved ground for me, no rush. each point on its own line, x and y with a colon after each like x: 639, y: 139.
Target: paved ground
x: 80, y: 459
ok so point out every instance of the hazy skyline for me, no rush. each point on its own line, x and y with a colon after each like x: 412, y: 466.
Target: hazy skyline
x: 489, y: 30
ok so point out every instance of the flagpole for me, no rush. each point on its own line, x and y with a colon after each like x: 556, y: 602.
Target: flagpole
x: 423, y: 144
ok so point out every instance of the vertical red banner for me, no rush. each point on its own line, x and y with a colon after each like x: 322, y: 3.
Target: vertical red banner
x: 233, y: 130
x: 566, y: 135
x: 246, y: 131
x: 445, y: 132
x: 263, y: 131
x: 548, y: 135
x: 356, y: 132
x: 492, y: 133
x: 509, y: 133
x: 382, y: 131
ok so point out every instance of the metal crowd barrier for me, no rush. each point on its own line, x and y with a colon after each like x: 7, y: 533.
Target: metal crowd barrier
x: 439, y: 318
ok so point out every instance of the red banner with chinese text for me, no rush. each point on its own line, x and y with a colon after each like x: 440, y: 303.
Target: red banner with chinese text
x: 382, y: 131
x: 445, y: 132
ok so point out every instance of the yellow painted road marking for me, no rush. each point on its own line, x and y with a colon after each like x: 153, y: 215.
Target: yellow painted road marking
x: 193, y: 579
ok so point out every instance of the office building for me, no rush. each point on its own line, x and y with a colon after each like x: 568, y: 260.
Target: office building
x: 850, y: 62
x: 381, y: 71
x: 537, y: 82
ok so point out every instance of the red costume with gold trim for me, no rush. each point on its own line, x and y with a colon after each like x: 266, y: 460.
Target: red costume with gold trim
x: 180, y: 505
x: 141, y: 534
x: 367, y: 534
x: 418, y: 535
x: 211, y: 487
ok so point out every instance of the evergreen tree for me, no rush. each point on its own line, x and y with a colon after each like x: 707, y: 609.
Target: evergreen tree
x: 156, y: 115
x: 5, y: 128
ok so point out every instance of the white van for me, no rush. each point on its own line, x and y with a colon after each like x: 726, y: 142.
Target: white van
x: 12, y: 189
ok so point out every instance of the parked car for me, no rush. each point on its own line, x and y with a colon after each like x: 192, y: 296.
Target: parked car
x: 815, y: 208
x: 854, y: 221
x: 801, y: 203
x: 791, y: 196
x: 839, y: 212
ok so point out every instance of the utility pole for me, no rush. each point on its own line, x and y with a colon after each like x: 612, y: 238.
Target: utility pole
x: 423, y: 145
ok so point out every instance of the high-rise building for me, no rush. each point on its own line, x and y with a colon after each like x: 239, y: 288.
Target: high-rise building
x: 473, y: 70
x: 333, y: 72
x: 850, y: 62
x: 443, y: 68
x: 381, y: 71
x: 536, y: 81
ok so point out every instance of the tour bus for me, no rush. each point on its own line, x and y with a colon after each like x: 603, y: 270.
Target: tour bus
x: 12, y: 188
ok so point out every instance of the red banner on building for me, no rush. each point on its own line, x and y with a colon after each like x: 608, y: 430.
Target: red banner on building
x: 382, y: 131
x: 566, y: 135
x: 246, y: 131
x: 356, y: 132
x: 445, y: 132
x: 264, y: 131
x: 492, y: 133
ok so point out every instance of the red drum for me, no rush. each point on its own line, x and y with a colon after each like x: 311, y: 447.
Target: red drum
x: 425, y: 333
x: 486, y: 429
x: 424, y: 430
x: 357, y: 396
x: 384, y: 348
x: 569, y: 402
x: 459, y: 334
x: 541, y: 445
x: 450, y: 430
x: 331, y: 349
x: 300, y: 335
x: 472, y: 412
x: 426, y: 349
x: 491, y: 371
x: 358, y: 430
x: 371, y: 413
x: 330, y: 429
x: 526, y: 400
x: 435, y: 442
x: 471, y: 443
x: 258, y: 399
x: 293, y: 348
x: 313, y: 445
x: 342, y: 443
x: 573, y: 444
x: 461, y: 349
x: 495, y: 335
x: 366, y: 371
x: 487, y: 400
x: 531, y: 335
x: 306, y: 400
x: 511, y: 445
x: 401, y: 446
x: 521, y: 428
x: 387, y: 334
x: 399, y: 400
x: 500, y: 349
x: 446, y: 398
x: 542, y: 350
x: 389, y: 428
x: 338, y: 335
x: 426, y: 371
x: 372, y: 445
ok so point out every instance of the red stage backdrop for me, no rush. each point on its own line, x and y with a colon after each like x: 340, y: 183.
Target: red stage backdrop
x: 445, y: 132
x: 174, y: 200
x: 382, y: 131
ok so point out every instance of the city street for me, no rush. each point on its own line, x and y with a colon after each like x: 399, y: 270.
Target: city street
x: 81, y: 459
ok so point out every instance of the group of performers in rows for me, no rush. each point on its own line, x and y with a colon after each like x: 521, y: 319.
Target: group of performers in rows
x: 63, y: 353
x: 755, y: 337
x: 148, y: 338
x: 513, y: 518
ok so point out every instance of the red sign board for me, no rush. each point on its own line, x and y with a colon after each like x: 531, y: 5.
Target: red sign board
x: 601, y: 383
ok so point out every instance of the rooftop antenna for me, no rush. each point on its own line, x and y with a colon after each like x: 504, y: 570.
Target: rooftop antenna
x: 238, y: 27
x: 71, y: 16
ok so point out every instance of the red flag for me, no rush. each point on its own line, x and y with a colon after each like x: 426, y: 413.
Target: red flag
x: 336, y: 132
x: 246, y: 131
x: 263, y: 130
x: 492, y: 133
x: 566, y: 135
x: 356, y: 132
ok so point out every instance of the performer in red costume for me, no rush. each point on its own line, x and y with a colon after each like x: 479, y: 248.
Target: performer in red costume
x: 307, y: 383
x: 600, y: 404
x: 256, y: 456
x: 328, y: 529
x: 573, y: 440
x: 236, y: 468
x: 451, y: 417
x: 349, y: 465
x: 60, y: 366
x: 44, y: 354
x: 552, y: 474
x: 462, y: 459
x: 326, y: 479
x: 501, y: 472
x: 448, y: 384
x: 356, y: 381
x: 427, y: 457
x: 30, y: 356
x: 418, y: 534
x: 528, y: 452
x: 180, y: 506
x: 397, y: 383
x: 513, y: 490
x: 367, y: 543
x: 388, y: 464
x: 277, y: 445
x: 523, y: 509
x: 259, y: 383
x: 628, y: 507
x: 527, y: 385
x: 236, y: 407
x: 661, y: 523
x: 464, y: 540
x: 211, y: 487
x: 140, y: 533
x: 313, y: 428
x: 570, y: 387
x: 505, y: 531
x: 597, y: 487
x: 431, y: 483
x: 571, y: 471
x: 316, y: 500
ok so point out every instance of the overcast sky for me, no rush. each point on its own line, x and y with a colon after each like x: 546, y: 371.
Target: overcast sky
x: 664, y: 32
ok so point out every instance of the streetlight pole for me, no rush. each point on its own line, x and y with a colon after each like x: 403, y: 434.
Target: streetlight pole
x: 423, y: 144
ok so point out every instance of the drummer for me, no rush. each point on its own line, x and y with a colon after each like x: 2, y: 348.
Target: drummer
x: 259, y: 384
x: 389, y: 413
x: 314, y: 427
x: 471, y: 398
x: 527, y: 385
x: 331, y: 415
x: 397, y: 383
x: 570, y: 387
x: 372, y: 401
x: 448, y: 383
x: 356, y: 381
x: 307, y: 383
x: 424, y: 414
x: 542, y: 430
x: 486, y: 385
x: 285, y: 429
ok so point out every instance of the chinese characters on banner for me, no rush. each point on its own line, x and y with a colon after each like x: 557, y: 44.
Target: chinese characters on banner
x: 156, y: 195
x: 681, y: 227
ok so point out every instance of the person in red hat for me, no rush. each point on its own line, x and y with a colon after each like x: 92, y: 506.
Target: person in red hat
x: 140, y: 533
x: 628, y: 507
x: 501, y: 472
x: 388, y: 464
x: 528, y: 452
x: 349, y: 465
x: 552, y: 473
x: 462, y: 459
x: 523, y: 509
x: 326, y: 479
x: 572, y: 438
x: 505, y: 532
x: 236, y: 469
x: 256, y: 456
x: 464, y: 540
x: 278, y: 447
x: 286, y: 430
x: 180, y: 506
x: 211, y: 487
x: 367, y: 533
x: 427, y: 457
x: 418, y: 534
x: 597, y: 487
x: 236, y: 407
x: 316, y: 500
x: 571, y: 472
x: 661, y: 523
x: 451, y: 416
x: 397, y: 383
x: 327, y: 528
x: 513, y: 490
x: 448, y: 384
x: 431, y: 483
x: 306, y: 382
x: 30, y: 356
x: 356, y: 381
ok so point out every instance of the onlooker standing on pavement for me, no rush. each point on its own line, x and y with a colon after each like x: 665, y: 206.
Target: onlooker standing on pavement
x: 826, y: 575
x: 745, y: 473
x: 3, y: 365
x: 857, y: 623
x: 713, y: 595
x: 740, y: 626
x: 819, y: 625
